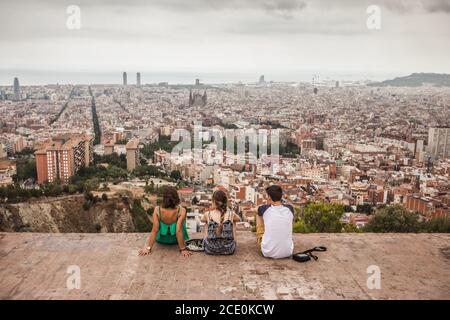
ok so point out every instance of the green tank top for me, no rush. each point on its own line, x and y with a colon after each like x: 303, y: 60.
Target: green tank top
x: 167, y: 232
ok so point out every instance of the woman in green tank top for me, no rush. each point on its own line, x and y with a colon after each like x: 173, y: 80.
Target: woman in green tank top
x: 169, y: 224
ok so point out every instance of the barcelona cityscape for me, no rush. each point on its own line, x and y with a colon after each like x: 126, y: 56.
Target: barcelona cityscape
x: 120, y: 167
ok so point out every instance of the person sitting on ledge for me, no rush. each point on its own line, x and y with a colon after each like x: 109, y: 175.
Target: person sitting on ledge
x: 274, y: 226
x: 169, y: 224
x: 221, y: 227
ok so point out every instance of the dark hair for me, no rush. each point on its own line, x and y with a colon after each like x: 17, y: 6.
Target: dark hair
x: 275, y: 192
x: 220, y: 199
x: 170, y: 198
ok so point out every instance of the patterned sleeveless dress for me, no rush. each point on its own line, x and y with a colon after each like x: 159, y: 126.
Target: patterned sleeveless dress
x: 224, y: 243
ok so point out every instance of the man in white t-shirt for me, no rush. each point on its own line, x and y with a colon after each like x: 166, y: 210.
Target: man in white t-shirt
x: 274, y: 226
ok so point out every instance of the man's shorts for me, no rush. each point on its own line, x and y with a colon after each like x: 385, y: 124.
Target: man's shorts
x: 259, y: 236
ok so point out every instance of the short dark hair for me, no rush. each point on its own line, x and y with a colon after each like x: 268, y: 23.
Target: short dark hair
x: 170, y: 198
x: 275, y: 192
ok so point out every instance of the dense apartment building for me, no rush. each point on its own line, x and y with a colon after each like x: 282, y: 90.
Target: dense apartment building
x: 428, y: 207
x: 439, y: 142
x: 132, y: 148
x: 7, y: 171
x: 62, y: 157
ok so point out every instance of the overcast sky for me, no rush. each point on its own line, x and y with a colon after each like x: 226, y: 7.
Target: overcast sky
x: 263, y: 36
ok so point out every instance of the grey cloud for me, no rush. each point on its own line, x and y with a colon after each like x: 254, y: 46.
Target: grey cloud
x: 417, y: 6
x: 438, y: 6
x: 401, y: 7
x: 199, y: 5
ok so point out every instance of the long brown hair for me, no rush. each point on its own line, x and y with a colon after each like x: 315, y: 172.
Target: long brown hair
x: 220, y: 201
x: 170, y: 199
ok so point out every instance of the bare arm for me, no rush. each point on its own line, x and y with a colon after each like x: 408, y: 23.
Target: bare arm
x: 153, y: 233
x: 179, y: 233
x: 235, y: 218
x: 259, y: 221
x: 206, y: 221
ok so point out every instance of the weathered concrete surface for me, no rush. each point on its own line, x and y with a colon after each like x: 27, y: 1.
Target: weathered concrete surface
x: 34, y: 266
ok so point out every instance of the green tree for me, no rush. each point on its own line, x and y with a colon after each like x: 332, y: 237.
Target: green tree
x: 175, y: 175
x: 52, y: 189
x: 393, y: 219
x: 25, y: 169
x: 164, y: 143
x: 150, y: 171
x: 364, y: 208
x: 323, y: 217
x: 348, y: 209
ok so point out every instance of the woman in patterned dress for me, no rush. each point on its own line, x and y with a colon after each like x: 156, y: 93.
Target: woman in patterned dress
x: 221, y: 227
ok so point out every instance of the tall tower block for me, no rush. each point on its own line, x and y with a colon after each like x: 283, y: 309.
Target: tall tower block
x: 138, y: 79
x: 124, y: 78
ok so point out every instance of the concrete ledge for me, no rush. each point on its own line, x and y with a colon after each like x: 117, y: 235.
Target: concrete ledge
x: 34, y: 266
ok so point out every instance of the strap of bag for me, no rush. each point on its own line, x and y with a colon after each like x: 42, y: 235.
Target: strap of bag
x: 310, y: 252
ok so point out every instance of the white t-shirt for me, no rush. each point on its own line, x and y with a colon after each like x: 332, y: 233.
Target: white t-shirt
x: 277, y: 239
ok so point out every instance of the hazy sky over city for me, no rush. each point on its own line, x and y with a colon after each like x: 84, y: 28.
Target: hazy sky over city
x: 242, y: 36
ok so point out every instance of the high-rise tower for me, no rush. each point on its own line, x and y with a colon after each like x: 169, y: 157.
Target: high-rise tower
x: 439, y: 142
x: 261, y: 79
x: 124, y: 78
x: 16, y: 89
x: 138, y: 79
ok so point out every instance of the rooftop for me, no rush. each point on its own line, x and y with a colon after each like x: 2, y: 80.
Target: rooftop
x: 132, y: 144
x: 34, y: 266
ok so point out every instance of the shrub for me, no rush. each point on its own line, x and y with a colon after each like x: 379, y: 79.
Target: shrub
x: 140, y: 218
x: 175, y: 175
x: 438, y: 225
x: 300, y: 227
x: 88, y: 196
x: 323, y: 217
x: 364, y: 208
x: 393, y: 219
x: 86, y: 205
x: 350, y: 228
x: 98, y: 227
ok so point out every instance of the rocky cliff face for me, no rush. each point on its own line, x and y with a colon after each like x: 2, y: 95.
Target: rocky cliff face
x: 66, y: 214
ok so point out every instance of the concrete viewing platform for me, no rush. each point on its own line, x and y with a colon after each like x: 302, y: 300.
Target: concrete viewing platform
x: 35, y: 266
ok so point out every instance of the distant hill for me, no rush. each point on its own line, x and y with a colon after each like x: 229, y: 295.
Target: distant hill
x: 416, y: 80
